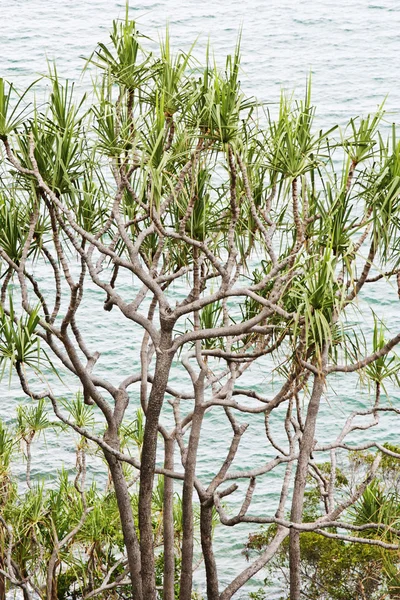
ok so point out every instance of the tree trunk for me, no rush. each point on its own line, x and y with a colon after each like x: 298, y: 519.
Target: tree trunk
x: 187, y: 494
x: 148, y: 461
x: 127, y: 523
x: 25, y: 593
x: 168, y: 525
x: 54, y: 583
x: 208, y: 553
x: 2, y: 581
x: 296, y: 514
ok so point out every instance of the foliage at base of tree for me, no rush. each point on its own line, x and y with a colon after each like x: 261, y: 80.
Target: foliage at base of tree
x: 334, y: 569
x: 55, y: 519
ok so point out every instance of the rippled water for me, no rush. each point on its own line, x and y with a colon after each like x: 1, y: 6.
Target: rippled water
x: 352, y: 50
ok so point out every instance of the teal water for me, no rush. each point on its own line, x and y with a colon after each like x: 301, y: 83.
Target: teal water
x: 351, y: 48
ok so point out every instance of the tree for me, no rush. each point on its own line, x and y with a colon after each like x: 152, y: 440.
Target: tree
x: 168, y: 176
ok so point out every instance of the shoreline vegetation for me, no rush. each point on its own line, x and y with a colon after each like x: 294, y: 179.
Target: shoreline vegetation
x: 169, y: 175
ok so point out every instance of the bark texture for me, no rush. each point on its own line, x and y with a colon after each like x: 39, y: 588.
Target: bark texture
x: 156, y: 398
x: 187, y: 499
x: 168, y: 525
x: 207, y: 548
x: 127, y: 524
x: 306, y: 447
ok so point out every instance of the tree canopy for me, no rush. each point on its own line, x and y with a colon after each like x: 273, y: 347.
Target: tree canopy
x: 232, y: 240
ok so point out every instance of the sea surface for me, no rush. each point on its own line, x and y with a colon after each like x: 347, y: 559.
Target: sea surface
x: 352, y: 49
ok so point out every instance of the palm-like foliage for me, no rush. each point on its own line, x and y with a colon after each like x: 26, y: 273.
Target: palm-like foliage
x: 12, y: 114
x: 18, y: 340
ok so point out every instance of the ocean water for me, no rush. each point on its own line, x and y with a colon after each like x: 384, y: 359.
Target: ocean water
x: 352, y: 50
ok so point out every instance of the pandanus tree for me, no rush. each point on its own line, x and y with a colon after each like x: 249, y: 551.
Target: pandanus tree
x: 234, y: 241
